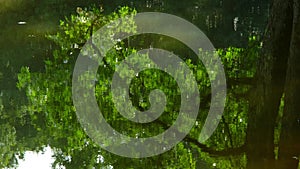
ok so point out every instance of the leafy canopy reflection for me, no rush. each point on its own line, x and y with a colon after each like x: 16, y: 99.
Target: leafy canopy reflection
x: 53, y: 115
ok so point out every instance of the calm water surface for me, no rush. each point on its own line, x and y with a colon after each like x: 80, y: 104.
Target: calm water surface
x: 23, y: 25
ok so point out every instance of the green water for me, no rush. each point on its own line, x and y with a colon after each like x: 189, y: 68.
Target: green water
x: 24, y: 24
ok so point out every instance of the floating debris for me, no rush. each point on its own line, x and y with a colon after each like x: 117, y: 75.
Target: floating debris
x: 22, y: 23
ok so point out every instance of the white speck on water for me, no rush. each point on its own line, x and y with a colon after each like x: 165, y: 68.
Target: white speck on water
x: 22, y: 23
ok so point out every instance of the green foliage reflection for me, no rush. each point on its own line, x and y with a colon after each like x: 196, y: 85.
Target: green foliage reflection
x: 52, y: 113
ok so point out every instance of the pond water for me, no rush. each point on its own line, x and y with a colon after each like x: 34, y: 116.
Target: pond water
x: 24, y: 24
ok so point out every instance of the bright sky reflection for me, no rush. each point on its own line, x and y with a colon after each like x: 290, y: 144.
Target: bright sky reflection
x: 33, y: 160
